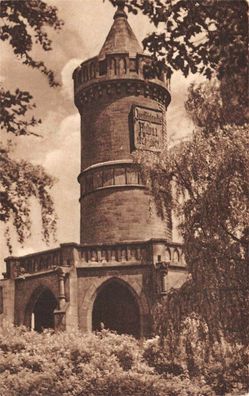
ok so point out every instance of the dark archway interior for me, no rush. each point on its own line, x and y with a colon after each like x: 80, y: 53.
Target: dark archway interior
x: 44, y: 311
x: 117, y: 309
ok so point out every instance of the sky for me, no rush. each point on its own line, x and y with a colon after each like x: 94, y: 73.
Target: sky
x: 87, y: 23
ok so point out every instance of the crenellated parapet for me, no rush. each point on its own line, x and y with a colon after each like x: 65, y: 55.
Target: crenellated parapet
x: 119, y: 74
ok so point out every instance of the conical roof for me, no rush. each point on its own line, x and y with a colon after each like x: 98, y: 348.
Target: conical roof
x: 120, y: 38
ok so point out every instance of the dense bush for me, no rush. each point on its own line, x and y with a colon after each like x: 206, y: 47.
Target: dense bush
x: 102, y: 364
x: 223, y: 365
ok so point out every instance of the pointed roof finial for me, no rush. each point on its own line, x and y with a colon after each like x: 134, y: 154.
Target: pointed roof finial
x: 121, y: 38
x: 120, y: 11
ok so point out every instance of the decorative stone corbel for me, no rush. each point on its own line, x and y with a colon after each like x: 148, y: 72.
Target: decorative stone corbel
x: 163, y: 268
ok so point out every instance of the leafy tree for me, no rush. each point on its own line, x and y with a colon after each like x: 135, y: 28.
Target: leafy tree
x: 23, y: 25
x: 210, y: 174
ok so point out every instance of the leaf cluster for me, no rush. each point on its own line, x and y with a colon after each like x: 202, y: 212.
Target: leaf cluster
x: 14, y: 109
x: 204, y: 36
x: 211, y: 175
x: 221, y: 365
x: 19, y: 182
x: 23, y: 24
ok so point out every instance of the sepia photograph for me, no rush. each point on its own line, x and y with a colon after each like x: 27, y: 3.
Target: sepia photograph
x: 124, y: 198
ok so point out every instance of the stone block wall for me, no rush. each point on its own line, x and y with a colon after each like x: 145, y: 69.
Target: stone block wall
x: 7, y: 289
x: 121, y: 214
x: 106, y: 126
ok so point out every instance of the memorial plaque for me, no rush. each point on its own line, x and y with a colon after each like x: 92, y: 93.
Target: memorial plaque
x: 147, y: 129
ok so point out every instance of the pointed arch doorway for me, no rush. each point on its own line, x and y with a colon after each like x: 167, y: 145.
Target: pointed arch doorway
x: 39, y: 314
x: 43, y: 313
x: 116, y: 308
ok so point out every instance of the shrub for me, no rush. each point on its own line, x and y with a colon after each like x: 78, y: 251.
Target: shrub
x: 107, y: 364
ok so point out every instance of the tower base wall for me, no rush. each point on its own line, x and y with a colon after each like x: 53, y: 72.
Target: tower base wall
x: 121, y: 214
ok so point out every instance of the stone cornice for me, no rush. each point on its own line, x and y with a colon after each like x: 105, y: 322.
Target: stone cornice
x: 121, y: 87
x: 108, y: 163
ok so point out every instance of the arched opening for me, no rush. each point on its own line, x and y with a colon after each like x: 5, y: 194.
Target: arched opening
x: 43, y: 312
x: 116, y: 308
x: 114, y: 66
x: 122, y: 66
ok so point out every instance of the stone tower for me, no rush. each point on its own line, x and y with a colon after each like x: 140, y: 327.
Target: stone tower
x: 126, y: 260
x: 121, y: 111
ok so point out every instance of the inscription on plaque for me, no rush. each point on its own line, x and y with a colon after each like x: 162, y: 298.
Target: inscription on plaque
x: 148, y: 129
